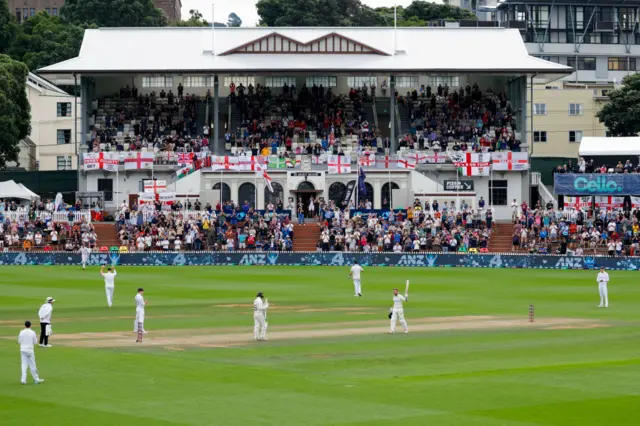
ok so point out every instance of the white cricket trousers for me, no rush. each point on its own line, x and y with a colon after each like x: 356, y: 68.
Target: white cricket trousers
x: 85, y: 259
x: 259, y: 326
x: 604, y: 295
x: 357, y: 287
x: 29, y: 361
x: 109, y: 291
x: 139, y: 319
x: 398, y: 315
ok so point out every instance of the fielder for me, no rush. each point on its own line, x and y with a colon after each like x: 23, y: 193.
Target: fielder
x: 27, y: 340
x: 260, y: 324
x: 109, y: 282
x: 397, y: 312
x: 85, y: 251
x: 603, y: 280
x: 139, y: 321
x: 355, y: 275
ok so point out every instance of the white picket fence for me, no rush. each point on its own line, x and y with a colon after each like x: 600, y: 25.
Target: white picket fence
x: 57, y: 216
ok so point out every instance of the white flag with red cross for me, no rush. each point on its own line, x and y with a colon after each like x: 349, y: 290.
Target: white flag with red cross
x: 138, y: 161
x: 101, y: 161
x: 577, y: 203
x: 251, y: 162
x: 154, y: 186
x: 367, y: 160
x: 262, y: 172
x: 472, y: 164
x: 406, y: 163
x: 436, y: 158
x: 609, y: 202
x: 224, y: 163
x: 339, y: 164
x: 635, y: 202
x: 319, y: 159
x: 386, y: 162
x: 417, y: 157
x: 510, y: 161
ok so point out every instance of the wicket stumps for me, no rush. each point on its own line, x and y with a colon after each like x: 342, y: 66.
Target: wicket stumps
x: 531, y: 313
x: 139, y: 340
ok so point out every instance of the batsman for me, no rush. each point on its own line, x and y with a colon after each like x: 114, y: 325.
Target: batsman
x: 397, y: 312
x: 260, y: 324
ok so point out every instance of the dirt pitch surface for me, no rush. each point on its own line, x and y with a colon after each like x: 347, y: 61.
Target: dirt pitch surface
x: 239, y: 336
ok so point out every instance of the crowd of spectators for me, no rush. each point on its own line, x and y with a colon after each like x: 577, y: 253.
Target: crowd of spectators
x: 227, y: 227
x: 591, y: 166
x: 422, y: 227
x: 32, y: 227
x: 594, y: 231
x: 466, y: 119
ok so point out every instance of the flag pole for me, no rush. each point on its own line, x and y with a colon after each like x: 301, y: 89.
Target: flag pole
x: 220, y: 189
x: 255, y: 191
x: 457, y: 188
x: 390, y: 191
x: 117, y: 184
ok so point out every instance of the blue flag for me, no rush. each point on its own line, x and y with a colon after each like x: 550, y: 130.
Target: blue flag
x: 362, y: 188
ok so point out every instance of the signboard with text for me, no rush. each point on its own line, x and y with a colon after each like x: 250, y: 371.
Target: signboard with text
x: 458, y: 185
x: 596, y: 184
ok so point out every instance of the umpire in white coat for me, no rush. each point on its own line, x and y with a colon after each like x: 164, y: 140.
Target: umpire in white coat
x: 45, y: 322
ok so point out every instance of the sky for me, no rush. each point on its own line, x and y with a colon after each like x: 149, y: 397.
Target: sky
x: 246, y: 9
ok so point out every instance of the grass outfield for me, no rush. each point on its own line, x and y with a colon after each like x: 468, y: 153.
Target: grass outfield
x: 470, y: 358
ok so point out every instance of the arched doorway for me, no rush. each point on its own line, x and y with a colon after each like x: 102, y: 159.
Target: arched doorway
x: 304, y: 193
x: 336, y: 193
x: 273, y: 197
x: 386, y: 194
x: 225, y: 194
x: 369, y: 196
x: 247, y: 192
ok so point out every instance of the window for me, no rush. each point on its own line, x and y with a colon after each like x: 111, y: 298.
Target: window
x: 25, y: 13
x: 54, y: 11
x: 407, y: 81
x: 32, y: 12
x: 584, y: 63
x: 622, y: 64
x: 64, y: 109
x: 540, y: 16
x: 539, y: 136
x: 195, y: 81
x: 326, y: 81
x: 361, y: 81
x: 238, y: 80
x: 554, y: 59
x: 157, y: 81
x: 436, y: 81
x: 279, y: 81
x: 18, y: 15
x: 48, y: 10
x: 575, y: 136
x: 575, y: 109
x: 106, y: 185
x: 539, y: 109
x: 498, y: 192
x: 63, y: 136
x: 64, y: 162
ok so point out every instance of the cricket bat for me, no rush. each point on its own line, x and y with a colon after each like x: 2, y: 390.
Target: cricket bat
x: 406, y: 289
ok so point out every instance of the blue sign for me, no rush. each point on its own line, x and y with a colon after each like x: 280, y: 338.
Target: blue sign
x: 421, y: 260
x: 596, y: 184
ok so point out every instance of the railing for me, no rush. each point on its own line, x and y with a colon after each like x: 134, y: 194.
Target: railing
x: 61, y: 216
x: 196, y: 214
x: 398, y: 122
x: 544, y: 192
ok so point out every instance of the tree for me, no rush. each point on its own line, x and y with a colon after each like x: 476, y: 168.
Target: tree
x: 195, y: 20
x: 44, y: 40
x: 234, y: 20
x: 113, y: 13
x: 316, y: 13
x: 428, y: 11
x: 8, y: 27
x: 15, y: 112
x: 621, y: 115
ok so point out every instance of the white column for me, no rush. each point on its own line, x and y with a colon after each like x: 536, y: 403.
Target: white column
x: 261, y: 200
x: 234, y: 189
x: 377, y: 194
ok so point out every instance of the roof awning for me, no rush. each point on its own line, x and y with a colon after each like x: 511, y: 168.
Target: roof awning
x: 616, y: 146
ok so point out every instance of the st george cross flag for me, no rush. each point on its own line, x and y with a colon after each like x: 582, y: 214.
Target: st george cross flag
x: 386, y: 162
x: 139, y: 161
x: 472, y: 164
x: 609, y: 202
x: 406, y: 163
x: 250, y: 162
x: 339, y: 164
x: 224, y: 163
x: 185, y: 158
x: 101, y: 161
x: 319, y: 159
x: 167, y: 197
x: 417, y: 157
x: 511, y: 161
x: 635, y: 202
x: 436, y: 158
x: 155, y: 186
x: 262, y: 171
x: 367, y: 160
x: 577, y: 203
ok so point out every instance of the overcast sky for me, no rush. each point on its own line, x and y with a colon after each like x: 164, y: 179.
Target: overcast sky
x: 246, y: 9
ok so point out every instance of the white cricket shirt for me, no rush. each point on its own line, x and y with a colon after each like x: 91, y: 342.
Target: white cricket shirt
x: 603, y: 278
x: 109, y: 279
x: 139, y: 302
x: 27, y: 340
x: 397, y: 301
x: 355, y: 271
x: 260, y: 306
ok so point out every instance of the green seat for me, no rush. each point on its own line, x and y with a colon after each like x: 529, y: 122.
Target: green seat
x: 114, y: 248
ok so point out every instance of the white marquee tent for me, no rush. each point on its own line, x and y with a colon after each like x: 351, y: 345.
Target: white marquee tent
x: 10, y: 189
x: 592, y: 146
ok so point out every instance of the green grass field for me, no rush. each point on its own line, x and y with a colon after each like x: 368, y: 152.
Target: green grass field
x: 470, y: 358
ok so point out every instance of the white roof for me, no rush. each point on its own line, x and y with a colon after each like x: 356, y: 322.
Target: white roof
x: 176, y: 49
x: 620, y: 146
x: 40, y: 84
x: 10, y: 189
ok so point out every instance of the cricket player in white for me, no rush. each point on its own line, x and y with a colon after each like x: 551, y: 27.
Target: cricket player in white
x: 397, y: 312
x: 27, y: 340
x: 140, y: 303
x: 109, y: 282
x: 356, y: 269
x: 85, y: 251
x: 603, y: 280
x: 260, y: 324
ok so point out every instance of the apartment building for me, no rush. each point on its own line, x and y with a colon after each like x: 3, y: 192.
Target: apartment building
x: 600, y: 39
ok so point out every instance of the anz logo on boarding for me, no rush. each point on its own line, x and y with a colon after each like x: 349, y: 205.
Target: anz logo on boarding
x: 417, y: 260
x: 259, y: 259
x: 104, y: 258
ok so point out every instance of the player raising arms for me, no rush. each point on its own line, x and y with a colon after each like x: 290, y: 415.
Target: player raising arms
x: 397, y: 312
